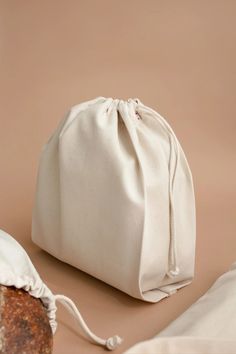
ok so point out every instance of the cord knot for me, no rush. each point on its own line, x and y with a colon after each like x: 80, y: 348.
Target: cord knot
x: 173, y: 272
x: 113, y: 342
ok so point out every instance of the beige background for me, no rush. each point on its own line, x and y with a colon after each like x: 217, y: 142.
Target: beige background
x: 176, y: 56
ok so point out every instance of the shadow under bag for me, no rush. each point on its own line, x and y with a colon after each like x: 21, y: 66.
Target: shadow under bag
x: 115, y: 198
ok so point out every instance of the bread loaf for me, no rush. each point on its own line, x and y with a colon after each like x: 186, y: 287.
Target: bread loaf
x: 24, y: 324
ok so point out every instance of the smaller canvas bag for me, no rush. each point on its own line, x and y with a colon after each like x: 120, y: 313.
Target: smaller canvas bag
x: 208, y: 326
x: 16, y: 269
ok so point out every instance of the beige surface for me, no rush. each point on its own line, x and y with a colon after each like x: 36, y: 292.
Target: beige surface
x: 177, y: 57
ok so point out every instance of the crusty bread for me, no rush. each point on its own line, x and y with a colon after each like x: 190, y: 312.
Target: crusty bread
x: 24, y: 325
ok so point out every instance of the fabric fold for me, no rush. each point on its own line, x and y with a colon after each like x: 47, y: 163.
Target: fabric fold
x: 206, y: 327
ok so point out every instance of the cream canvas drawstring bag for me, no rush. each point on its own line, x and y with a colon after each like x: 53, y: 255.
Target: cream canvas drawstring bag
x: 208, y: 326
x: 16, y: 269
x: 115, y: 198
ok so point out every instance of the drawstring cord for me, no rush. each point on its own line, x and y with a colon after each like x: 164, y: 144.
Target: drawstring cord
x: 173, y: 269
x: 110, y: 343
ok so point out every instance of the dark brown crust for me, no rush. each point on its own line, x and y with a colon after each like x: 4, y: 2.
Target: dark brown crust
x: 24, y: 324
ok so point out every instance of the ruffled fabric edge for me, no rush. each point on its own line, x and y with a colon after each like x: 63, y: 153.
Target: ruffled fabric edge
x: 37, y: 289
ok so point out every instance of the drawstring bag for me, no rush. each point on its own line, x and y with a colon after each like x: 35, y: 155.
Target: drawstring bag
x: 16, y: 269
x: 207, y: 326
x: 115, y: 198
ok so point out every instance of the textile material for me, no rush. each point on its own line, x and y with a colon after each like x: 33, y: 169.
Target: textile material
x: 16, y: 269
x: 115, y: 198
x: 208, y: 326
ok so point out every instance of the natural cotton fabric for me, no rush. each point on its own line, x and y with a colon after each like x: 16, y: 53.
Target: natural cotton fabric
x: 115, y: 198
x: 16, y: 269
x: 184, y: 345
x: 208, y: 326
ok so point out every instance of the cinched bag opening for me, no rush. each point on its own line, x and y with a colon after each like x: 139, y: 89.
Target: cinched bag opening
x: 16, y: 269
